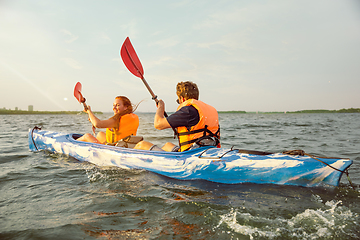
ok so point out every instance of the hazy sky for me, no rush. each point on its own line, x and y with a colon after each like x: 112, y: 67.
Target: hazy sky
x: 279, y: 55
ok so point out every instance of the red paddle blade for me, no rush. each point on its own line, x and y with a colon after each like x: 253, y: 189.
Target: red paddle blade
x: 77, y: 93
x: 130, y: 59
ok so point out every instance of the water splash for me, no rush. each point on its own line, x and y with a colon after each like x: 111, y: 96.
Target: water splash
x: 230, y: 220
x: 95, y: 174
x: 331, y: 221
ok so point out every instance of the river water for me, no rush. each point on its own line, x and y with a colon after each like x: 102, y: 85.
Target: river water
x: 49, y: 196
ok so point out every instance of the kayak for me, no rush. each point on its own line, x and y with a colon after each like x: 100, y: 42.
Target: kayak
x: 221, y: 165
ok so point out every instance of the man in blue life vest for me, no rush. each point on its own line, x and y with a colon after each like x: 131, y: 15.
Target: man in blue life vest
x: 196, y: 123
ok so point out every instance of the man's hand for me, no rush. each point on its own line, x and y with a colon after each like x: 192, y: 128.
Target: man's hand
x: 161, y: 104
x: 160, y: 121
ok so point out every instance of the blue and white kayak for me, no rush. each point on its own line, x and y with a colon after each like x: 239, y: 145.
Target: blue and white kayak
x: 230, y: 166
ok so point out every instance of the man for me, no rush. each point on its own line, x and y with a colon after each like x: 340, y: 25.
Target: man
x: 196, y: 123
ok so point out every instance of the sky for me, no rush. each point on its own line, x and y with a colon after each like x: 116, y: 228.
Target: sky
x: 259, y: 55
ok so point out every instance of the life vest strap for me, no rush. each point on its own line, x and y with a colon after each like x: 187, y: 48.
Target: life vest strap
x: 127, y: 142
x: 204, y: 130
x: 191, y: 132
x: 207, y: 133
x: 198, y: 141
x: 188, y: 142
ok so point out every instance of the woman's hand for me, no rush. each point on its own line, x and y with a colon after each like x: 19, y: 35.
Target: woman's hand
x: 88, y: 109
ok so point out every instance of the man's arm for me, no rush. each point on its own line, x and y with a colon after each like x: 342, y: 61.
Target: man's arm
x: 160, y: 122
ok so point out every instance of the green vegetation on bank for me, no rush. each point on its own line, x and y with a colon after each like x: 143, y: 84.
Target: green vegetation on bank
x: 8, y: 111
x: 348, y: 110
x: 231, y: 112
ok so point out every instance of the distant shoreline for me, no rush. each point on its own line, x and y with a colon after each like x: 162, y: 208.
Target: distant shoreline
x: 348, y: 110
x: 23, y: 112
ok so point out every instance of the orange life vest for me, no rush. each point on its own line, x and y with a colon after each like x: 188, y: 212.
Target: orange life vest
x: 128, y: 125
x: 208, y: 125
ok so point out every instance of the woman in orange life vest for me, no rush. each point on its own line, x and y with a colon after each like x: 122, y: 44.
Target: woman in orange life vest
x: 196, y: 122
x: 122, y: 124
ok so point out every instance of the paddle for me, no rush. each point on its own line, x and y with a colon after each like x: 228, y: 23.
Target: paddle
x: 79, y: 96
x: 81, y: 99
x: 132, y: 62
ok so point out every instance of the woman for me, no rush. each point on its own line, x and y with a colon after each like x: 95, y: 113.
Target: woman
x: 122, y: 124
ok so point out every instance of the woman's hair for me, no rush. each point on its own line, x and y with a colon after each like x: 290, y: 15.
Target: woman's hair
x: 187, y: 90
x: 127, y: 103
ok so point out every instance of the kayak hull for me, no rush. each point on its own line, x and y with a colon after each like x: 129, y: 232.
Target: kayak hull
x: 207, y: 163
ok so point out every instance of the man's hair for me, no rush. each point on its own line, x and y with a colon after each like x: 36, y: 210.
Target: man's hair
x: 187, y: 90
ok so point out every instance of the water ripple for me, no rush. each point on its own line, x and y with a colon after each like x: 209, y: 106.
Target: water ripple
x: 49, y: 196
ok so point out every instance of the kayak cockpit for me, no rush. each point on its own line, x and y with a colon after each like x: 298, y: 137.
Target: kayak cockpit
x: 75, y: 136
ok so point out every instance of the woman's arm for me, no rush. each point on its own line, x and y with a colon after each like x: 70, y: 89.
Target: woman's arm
x: 108, y: 123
